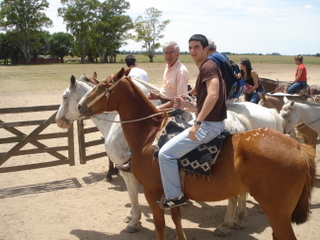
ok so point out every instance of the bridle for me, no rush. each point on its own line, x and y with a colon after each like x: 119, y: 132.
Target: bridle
x: 107, y: 93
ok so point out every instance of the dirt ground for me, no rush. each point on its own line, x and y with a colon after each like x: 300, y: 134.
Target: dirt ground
x: 66, y: 203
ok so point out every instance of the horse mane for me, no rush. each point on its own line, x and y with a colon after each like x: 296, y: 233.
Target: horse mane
x: 83, y: 79
x: 146, y: 84
x: 136, y: 89
x: 280, y: 120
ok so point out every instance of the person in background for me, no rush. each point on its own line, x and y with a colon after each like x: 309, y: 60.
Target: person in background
x: 135, y: 72
x: 252, y: 83
x: 174, y: 84
x: 219, y: 58
x: 300, y: 76
x: 175, y: 77
x: 209, y: 123
x: 216, y: 56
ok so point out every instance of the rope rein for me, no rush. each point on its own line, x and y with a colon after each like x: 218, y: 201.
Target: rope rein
x: 168, y: 110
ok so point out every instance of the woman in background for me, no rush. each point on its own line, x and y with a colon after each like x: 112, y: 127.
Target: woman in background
x: 252, y: 84
x: 300, y: 80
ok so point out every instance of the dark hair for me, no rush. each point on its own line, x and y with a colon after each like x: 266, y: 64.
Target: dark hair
x: 299, y: 58
x: 130, y: 60
x: 247, y: 64
x: 201, y: 38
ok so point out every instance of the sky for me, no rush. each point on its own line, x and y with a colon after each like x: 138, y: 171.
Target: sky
x: 288, y: 27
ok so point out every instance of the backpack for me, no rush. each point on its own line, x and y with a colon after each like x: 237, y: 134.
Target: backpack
x: 229, y: 69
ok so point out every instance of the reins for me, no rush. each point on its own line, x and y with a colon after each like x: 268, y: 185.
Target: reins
x: 107, y: 94
x: 168, y: 110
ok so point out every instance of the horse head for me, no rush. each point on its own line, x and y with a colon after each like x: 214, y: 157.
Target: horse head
x: 67, y: 111
x: 287, y: 114
x: 94, y: 101
x: 270, y: 102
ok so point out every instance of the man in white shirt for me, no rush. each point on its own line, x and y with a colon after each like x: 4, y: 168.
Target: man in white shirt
x: 175, y: 77
x: 136, y: 72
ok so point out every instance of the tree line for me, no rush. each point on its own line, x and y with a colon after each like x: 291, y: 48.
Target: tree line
x: 95, y: 30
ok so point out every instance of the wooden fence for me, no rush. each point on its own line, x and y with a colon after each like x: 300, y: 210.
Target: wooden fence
x: 20, y: 139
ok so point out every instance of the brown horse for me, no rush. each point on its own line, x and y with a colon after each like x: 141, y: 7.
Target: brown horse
x: 272, y: 86
x: 254, y: 161
x: 304, y: 133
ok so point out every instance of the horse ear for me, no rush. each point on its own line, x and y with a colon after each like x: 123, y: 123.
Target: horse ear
x: 72, y: 81
x: 95, y: 75
x: 119, y: 74
x: 261, y: 96
x: 127, y: 71
x: 285, y: 99
x: 292, y: 102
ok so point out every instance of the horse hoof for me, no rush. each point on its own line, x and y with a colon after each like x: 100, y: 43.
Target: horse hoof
x: 127, y: 219
x: 237, y: 226
x: 130, y: 229
x: 219, y: 233
x: 108, y: 177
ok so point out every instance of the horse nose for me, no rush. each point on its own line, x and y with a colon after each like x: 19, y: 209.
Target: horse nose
x: 82, y: 109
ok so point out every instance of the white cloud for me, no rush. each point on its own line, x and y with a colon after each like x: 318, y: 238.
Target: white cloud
x: 308, y: 7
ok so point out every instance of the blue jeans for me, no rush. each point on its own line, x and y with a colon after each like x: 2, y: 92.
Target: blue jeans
x: 177, y: 147
x: 254, y: 97
x: 296, y: 87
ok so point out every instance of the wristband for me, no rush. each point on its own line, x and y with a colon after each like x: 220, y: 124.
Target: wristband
x: 197, y: 122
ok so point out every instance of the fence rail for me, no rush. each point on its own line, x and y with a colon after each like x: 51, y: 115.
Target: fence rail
x: 19, y: 140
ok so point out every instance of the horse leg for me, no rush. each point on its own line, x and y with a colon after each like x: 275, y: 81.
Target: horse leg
x: 282, y: 229
x: 176, y: 217
x: 241, y: 213
x: 223, y: 228
x: 158, y: 213
x: 134, y: 215
x: 111, y: 171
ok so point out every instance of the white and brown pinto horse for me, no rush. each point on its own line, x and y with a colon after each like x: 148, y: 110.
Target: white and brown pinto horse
x: 254, y: 161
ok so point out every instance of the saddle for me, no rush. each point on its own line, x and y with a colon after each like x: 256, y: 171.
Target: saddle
x: 200, y: 159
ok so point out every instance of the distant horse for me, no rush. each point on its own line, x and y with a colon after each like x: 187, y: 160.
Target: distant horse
x: 272, y: 86
x: 304, y: 133
x: 254, y: 161
x: 295, y: 112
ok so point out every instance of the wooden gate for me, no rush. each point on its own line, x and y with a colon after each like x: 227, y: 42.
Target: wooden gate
x: 66, y: 140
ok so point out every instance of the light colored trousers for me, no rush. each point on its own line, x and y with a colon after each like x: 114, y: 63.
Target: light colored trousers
x: 177, y: 147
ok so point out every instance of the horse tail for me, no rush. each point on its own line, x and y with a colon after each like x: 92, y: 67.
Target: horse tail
x: 301, y: 212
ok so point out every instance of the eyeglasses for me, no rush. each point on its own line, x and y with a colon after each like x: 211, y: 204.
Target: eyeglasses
x: 169, y: 53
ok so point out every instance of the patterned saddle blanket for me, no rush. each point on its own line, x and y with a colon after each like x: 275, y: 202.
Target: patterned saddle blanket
x: 200, y: 159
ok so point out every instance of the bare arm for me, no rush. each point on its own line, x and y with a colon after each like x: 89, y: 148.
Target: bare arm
x: 209, y: 103
x: 255, y: 78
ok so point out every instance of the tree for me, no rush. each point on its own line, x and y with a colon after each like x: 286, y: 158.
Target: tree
x: 149, y: 29
x: 98, y: 27
x: 24, y: 20
x: 111, y: 28
x: 40, y: 44
x: 80, y: 16
x: 60, y: 44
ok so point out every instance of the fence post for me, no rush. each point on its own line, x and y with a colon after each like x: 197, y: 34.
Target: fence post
x: 81, y: 141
